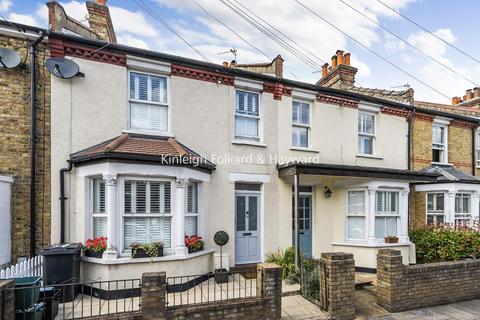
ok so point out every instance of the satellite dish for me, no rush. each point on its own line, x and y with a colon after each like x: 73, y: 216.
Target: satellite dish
x: 9, y: 59
x: 62, y: 68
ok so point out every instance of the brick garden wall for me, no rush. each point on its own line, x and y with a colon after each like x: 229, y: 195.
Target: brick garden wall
x: 401, y: 287
x: 15, y: 144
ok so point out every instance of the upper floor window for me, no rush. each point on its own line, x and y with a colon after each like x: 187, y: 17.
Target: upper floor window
x: 300, y: 124
x: 439, y: 143
x: 477, y: 148
x: 463, y: 211
x: 247, y: 115
x: 386, y: 214
x: 191, y: 215
x: 98, y: 213
x: 356, y: 215
x: 366, y: 132
x: 435, y: 208
x: 148, y: 102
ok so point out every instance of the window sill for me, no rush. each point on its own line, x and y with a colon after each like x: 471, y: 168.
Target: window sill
x: 442, y: 163
x: 249, y: 143
x: 365, y: 244
x: 304, y: 149
x: 130, y: 260
x: 369, y: 156
x: 150, y: 133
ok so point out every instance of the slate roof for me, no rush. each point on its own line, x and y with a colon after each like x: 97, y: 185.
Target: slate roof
x: 450, y: 174
x: 136, y: 147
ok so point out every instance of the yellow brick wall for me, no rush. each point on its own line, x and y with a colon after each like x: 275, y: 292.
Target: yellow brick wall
x: 417, y: 209
x: 421, y: 155
x: 15, y: 143
x: 460, y: 148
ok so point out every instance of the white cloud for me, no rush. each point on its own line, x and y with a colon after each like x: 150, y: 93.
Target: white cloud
x: 132, y: 41
x: 131, y: 22
x: 5, y: 5
x: 22, y: 18
x: 431, y: 45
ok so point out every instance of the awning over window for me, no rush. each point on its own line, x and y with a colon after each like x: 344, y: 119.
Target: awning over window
x: 143, y: 148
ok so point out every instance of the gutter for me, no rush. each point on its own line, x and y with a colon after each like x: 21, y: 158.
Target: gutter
x: 62, y: 200
x: 33, y: 139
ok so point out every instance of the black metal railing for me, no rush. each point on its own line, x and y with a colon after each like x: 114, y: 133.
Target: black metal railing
x: 310, y: 280
x: 77, y: 300
x: 210, y: 287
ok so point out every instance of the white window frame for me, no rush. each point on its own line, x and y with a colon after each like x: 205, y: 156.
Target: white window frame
x: 364, y: 134
x: 193, y: 214
x: 364, y: 215
x: 477, y: 148
x: 242, y: 138
x: 121, y: 197
x: 444, y: 148
x: 94, y: 214
x: 463, y: 216
x: 388, y: 214
x: 166, y: 132
x: 435, y: 213
x: 298, y: 124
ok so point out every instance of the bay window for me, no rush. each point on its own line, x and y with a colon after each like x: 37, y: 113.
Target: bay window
x: 300, y: 124
x: 477, y: 148
x: 439, y: 143
x: 356, y: 215
x: 435, y: 208
x: 148, y: 102
x: 99, y: 215
x: 147, y: 213
x: 247, y: 115
x: 386, y: 213
x: 463, y: 212
x: 366, y: 132
x: 191, y: 214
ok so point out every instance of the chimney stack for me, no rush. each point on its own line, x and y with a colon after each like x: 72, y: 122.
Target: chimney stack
x: 340, y: 74
x: 469, y: 94
x: 455, y: 101
x: 476, y: 92
x: 100, y: 21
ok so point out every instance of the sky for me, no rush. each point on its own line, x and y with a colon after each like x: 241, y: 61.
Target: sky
x: 453, y: 21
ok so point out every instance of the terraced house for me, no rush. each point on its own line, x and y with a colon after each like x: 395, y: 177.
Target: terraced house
x: 147, y: 146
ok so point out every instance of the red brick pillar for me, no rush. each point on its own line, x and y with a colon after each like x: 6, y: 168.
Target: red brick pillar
x: 7, y: 307
x: 390, y: 270
x: 269, y: 287
x: 154, y: 293
x: 337, y: 285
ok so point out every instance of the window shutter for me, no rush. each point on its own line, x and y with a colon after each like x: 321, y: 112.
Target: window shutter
x: 154, y: 197
x: 99, y: 227
x: 98, y: 195
x: 305, y: 113
x: 167, y: 197
x: 148, y: 117
x: 191, y: 225
x: 356, y: 227
x: 156, y: 229
x: 128, y: 197
x: 141, y: 197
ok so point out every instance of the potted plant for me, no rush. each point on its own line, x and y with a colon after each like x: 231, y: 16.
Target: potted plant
x: 95, y: 247
x: 221, y: 238
x: 194, y: 243
x: 391, y: 239
x: 147, y: 250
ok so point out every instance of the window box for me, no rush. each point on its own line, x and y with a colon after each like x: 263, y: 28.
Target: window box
x: 195, y: 249
x: 142, y: 251
x: 391, y: 239
x: 92, y: 254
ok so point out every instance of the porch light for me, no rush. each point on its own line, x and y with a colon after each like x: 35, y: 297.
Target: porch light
x: 328, y: 192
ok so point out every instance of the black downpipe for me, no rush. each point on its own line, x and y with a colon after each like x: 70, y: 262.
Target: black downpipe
x: 474, y: 160
x: 62, y: 200
x: 33, y: 139
x: 410, y: 138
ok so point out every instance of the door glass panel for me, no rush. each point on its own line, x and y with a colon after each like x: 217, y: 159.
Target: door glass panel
x: 252, y: 213
x: 240, y: 213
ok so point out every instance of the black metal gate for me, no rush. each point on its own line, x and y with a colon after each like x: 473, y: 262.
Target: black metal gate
x: 313, y: 282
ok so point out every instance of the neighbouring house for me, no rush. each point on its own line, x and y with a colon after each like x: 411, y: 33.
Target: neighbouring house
x: 446, y: 142
x: 24, y: 228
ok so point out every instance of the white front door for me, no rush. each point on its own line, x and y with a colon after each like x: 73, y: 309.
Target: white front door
x: 247, y: 228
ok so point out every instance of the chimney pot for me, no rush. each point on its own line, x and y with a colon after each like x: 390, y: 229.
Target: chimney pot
x: 346, y: 58
x: 324, y: 70
x: 455, y: 101
x: 233, y: 64
x: 225, y: 64
x: 476, y: 92
x: 339, y: 54
x: 334, y: 61
x: 469, y: 94
x: 101, y: 2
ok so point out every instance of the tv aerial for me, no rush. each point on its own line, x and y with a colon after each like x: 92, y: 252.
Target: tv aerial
x: 9, y: 59
x: 63, y: 68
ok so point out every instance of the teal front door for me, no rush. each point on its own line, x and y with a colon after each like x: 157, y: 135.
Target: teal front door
x: 305, y: 216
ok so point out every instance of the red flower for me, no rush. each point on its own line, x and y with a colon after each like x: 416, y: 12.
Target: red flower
x: 97, y: 244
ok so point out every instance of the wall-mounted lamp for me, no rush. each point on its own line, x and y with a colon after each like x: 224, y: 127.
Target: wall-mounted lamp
x: 328, y: 192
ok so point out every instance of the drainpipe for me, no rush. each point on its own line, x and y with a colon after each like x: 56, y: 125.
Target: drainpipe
x: 410, y: 137
x: 33, y: 138
x: 296, y: 183
x: 474, y: 162
x: 62, y: 200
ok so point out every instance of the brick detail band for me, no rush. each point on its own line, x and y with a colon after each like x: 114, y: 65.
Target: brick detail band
x: 395, y: 112
x: 423, y: 117
x: 197, y: 74
x: 461, y: 124
x: 342, y: 102
x: 277, y: 89
x: 60, y: 48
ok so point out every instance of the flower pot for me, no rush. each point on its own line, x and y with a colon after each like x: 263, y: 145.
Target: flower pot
x: 221, y: 276
x: 192, y: 249
x: 391, y: 240
x: 141, y: 253
x: 92, y: 254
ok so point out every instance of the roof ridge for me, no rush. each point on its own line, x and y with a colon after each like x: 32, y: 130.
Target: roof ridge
x: 177, y: 147
x: 116, y: 142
